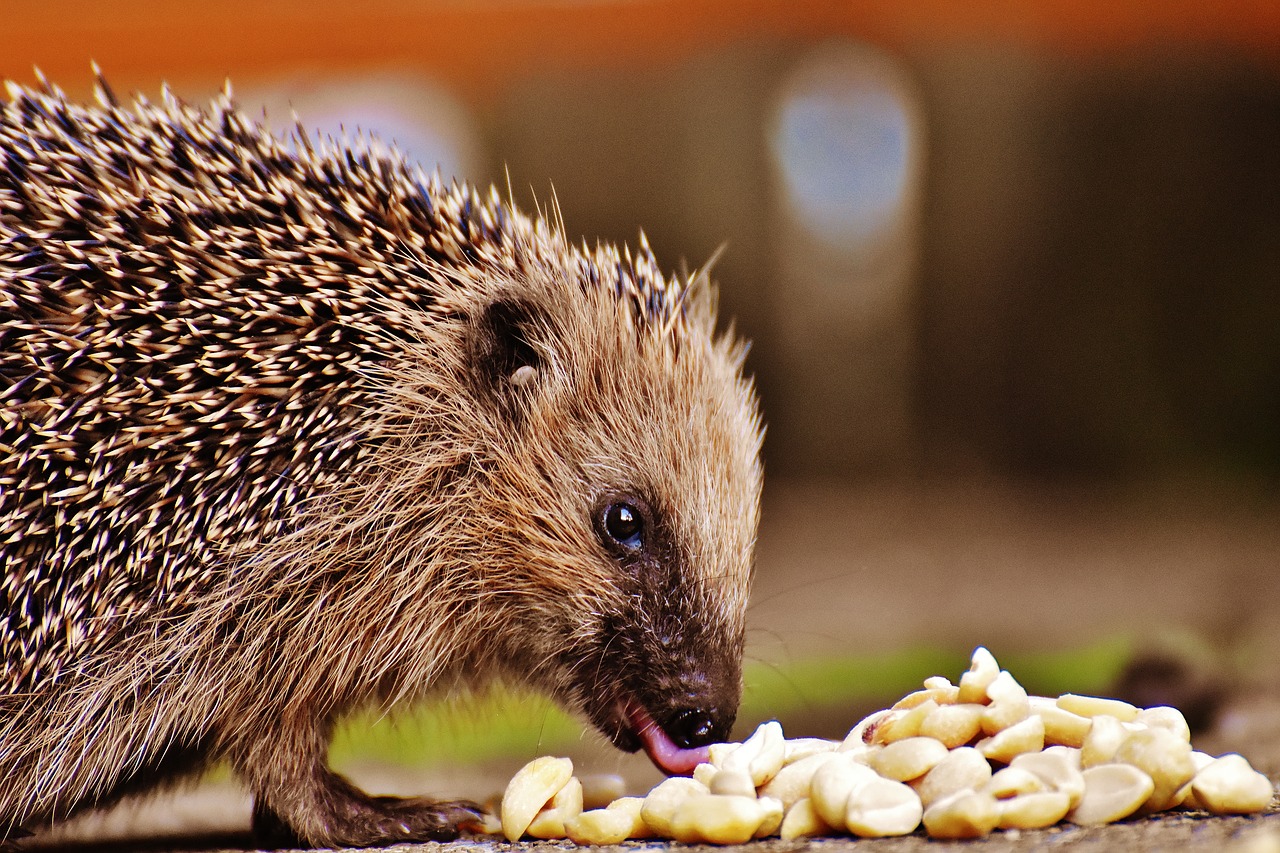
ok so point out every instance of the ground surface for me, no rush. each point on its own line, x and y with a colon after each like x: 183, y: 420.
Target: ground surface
x: 955, y: 565
x: 1245, y: 835
x: 1257, y: 834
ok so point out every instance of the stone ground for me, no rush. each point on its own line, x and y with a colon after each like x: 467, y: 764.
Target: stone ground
x: 953, y: 565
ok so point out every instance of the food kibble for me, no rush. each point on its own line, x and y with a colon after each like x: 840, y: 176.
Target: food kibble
x: 962, y: 760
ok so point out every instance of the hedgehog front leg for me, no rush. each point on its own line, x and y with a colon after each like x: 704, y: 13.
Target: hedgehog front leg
x: 298, y: 799
x: 349, y: 818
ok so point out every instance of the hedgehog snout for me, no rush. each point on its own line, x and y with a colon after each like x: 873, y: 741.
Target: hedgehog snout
x: 698, y: 726
x: 696, y: 703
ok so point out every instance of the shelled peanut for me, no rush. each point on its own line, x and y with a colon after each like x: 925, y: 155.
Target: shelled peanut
x: 960, y: 759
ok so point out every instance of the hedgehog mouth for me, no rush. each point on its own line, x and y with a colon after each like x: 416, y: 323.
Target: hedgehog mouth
x: 636, y: 729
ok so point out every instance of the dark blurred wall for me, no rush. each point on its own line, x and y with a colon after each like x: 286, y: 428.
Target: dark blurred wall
x: 1101, y: 283
x: 1098, y: 282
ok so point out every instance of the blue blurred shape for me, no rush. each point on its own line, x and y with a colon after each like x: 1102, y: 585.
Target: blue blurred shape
x: 842, y: 142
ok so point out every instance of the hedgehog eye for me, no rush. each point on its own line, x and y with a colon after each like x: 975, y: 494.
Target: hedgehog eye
x: 623, y: 525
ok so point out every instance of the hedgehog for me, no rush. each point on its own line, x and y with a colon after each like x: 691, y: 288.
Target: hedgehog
x: 290, y: 427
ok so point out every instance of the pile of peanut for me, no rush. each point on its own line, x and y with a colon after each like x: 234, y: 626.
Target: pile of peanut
x: 962, y: 759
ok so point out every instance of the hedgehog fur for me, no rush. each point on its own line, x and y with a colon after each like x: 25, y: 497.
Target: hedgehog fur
x: 288, y: 427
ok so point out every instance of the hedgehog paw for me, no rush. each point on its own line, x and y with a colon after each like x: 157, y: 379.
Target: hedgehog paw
x: 354, y: 820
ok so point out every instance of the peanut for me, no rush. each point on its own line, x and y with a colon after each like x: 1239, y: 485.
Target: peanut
x: 911, y: 700
x: 1111, y: 792
x: 1228, y: 785
x: 760, y: 755
x: 1060, y: 727
x: 1199, y: 760
x: 962, y: 768
x: 880, y: 807
x: 953, y: 725
x: 1093, y: 706
x: 967, y: 814
x: 1026, y: 736
x: 601, y: 789
x: 802, y: 747
x: 905, y: 765
x: 531, y: 788
x: 863, y: 733
x: 1104, y: 738
x: 716, y: 819
x: 793, y: 782
x: 1164, y: 717
x: 661, y: 803
x: 1165, y: 757
x: 908, y: 759
x: 1009, y: 704
x: 1058, y: 768
x: 729, y: 782
x: 771, y: 814
x: 490, y: 824
x: 803, y: 821
x: 1012, y: 782
x: 565, y: 805
x: 937, y: 688
x: 942, y: 691
x: 832, y: 785
x: 901, y: 725
x: 613, y: 824
x: 983, y: 670
x: 1070, y: 753
x: 1034, y: 811
x: 938, y: 682
x: 718, y: 752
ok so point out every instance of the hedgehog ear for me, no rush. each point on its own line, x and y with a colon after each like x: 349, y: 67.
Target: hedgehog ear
x: 503, y: 355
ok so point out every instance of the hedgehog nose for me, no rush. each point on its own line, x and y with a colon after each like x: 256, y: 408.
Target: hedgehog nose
x: 693, y: 727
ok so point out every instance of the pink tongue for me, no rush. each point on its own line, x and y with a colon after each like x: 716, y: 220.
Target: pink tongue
x: 662, y: 751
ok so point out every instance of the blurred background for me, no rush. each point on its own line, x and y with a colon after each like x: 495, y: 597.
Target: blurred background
x: 1011, y: 270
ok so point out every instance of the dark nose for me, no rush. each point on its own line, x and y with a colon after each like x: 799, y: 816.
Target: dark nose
x: 691, y: 727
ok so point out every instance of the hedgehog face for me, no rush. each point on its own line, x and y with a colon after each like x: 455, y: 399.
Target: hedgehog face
x: 631, y: 458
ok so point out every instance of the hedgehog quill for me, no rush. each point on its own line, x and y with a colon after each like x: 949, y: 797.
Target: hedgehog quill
x: 288, y: 427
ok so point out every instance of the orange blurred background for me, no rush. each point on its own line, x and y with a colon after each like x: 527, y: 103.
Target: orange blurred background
x: 480, y: 47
